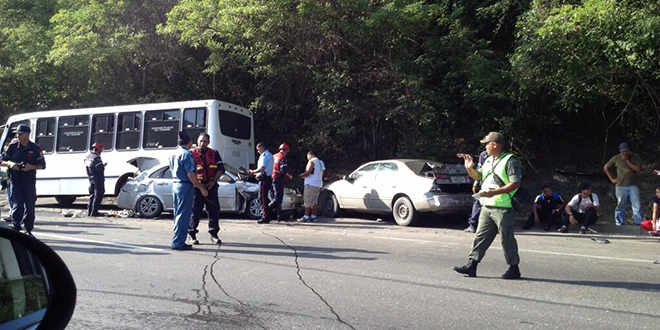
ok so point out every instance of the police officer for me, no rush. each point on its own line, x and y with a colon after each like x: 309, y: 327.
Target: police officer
x: 500, y: 175
x: 209, y: 168
x: 23, y: 158
x: 182, y: 165
x: 95, y: 173
x: 263, y: 173
x: 280, y: 169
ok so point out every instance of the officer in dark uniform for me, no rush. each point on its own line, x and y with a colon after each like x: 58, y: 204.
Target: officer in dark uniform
x: 209, y: 168
x: 23, y: 158
x: 95, y: 172
x: 280, y: 169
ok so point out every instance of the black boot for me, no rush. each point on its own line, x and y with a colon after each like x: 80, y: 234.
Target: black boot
x: 193, y: 237
x: 470, y: 269
x: 512, y: 273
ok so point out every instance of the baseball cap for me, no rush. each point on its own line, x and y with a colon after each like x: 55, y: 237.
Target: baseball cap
x: 624, y: 147
x: 22, y: 128
x: 493, y: 137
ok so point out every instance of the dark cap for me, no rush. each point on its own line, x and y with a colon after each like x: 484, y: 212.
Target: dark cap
x: 22, y: 128
x: 493, y: 137
x: 624, y: 147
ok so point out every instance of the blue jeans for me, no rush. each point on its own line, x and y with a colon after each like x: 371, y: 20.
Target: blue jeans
x: 183, y: 198
x: 474, y: 216
x: 623, y: 193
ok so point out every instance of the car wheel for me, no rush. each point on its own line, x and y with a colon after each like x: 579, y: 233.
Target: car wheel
x: 65, y: 201
x: 329, y: 204
x: 404, y: 211
x: 148, y: 207
x: 254, y: 209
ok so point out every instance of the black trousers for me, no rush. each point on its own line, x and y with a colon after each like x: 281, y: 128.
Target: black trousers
x: 96, y: 192
x: 212, y: 205
x: 584, y: 219
x: 547, y: 217
x: 266, y: 185
x: 276, y: 204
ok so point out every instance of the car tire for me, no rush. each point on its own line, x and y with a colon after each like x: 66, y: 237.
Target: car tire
x: 65, y: 201
x: 148, y: 207
x: 253, y: 208
x: 329, y: 205
x: 404, y: 211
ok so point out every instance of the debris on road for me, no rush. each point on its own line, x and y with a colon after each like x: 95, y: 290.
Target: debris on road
x: 600, y: 240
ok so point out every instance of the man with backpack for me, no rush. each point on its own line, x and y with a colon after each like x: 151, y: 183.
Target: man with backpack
x: 546, y: 209
x: 583, y: 209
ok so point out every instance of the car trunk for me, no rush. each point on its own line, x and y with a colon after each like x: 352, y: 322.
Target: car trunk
x: 448, y: 178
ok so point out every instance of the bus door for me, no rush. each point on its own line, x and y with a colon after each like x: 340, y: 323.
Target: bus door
x: 236, y: 131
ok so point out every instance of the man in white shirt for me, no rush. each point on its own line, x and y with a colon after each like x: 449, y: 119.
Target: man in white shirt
x: 263, y: 172
x: 583, y: 209
x: 313, y: 176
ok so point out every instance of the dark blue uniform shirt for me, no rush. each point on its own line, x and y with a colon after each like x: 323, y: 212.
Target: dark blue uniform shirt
x: 28, y: 154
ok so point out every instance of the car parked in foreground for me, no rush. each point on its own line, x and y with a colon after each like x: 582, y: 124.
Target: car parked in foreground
x: 150, y: 193
x: 403, y: 187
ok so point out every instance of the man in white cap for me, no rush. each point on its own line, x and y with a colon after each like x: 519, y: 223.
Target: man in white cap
x: 500, y: 175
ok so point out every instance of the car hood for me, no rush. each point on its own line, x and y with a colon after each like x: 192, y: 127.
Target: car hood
x: 143, y: 163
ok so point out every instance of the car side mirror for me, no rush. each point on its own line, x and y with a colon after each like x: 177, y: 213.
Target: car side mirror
x: 36, y: 287
x: 349, y: 178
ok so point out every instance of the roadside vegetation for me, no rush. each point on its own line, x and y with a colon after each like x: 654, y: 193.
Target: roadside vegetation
x: 359, y: 80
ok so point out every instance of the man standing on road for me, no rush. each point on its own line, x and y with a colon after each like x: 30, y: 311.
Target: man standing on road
x: 280, y: 169
x: 473, y: 220
x: 263, y: 173
x: 95, y: 173
x: 627, y: 166
x: 313, y: 176
x: 182, y: 165
x: 501, y: 175
x: 23, y: 158
x: 209, y: 169
x: 7, y: 182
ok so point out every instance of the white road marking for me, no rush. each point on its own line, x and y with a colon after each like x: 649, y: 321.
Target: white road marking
x: 564, y: 254
x: 130, y: 246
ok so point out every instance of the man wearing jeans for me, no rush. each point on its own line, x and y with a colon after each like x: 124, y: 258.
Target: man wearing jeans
x: 627, y: 166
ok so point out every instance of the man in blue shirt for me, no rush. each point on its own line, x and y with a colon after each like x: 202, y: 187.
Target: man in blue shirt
x: 23, y: 158
x: 263, y: 172
x: 183, y: 169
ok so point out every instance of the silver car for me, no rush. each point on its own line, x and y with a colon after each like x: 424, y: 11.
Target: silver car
x: 150, y: 193
x: 404, y: 187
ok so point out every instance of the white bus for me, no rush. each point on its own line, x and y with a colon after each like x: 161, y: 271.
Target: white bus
x: 128, y: 132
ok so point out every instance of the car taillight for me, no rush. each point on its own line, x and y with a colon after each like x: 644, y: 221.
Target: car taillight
x: 441, y: 176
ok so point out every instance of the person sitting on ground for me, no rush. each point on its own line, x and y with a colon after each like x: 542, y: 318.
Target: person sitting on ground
x: 546, y: 209
x: 582, y: 209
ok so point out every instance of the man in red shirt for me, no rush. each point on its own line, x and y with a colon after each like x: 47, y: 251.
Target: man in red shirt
x: 280, y: 169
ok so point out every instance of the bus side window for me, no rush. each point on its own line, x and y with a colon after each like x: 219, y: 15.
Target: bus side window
x: 10, y: 134
x: 128, y: 130
x: 103, y: 129
x: 194, y: 122
x: 45, y: 135
x: 161, y: 129
x: 73, y: 133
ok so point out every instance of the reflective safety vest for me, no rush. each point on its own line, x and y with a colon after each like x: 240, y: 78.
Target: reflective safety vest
x: 205, y: 170
x: 491, y: 167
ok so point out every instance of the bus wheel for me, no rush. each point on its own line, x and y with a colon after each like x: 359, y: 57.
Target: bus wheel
x: 65, y: 201
x: 148, y: 207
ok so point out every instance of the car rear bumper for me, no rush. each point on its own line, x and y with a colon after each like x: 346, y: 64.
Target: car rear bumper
x: 447, y: 203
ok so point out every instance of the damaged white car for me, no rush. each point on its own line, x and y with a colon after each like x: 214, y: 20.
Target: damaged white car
x: 150, y: 193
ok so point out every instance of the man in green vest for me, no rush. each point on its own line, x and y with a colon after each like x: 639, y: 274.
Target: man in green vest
x: 500, y: 175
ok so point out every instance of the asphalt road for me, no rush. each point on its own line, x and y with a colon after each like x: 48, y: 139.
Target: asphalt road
x: 348, y: 273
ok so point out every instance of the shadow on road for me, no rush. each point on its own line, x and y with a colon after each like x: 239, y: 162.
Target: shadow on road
x: 65, y: 223
x: 95, y: 248
x: 635, y: 286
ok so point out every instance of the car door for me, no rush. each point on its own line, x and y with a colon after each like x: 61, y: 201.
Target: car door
x: 356, y: 197
x: 163, y: 186
x: 227, y: 193
x: 386, y: 185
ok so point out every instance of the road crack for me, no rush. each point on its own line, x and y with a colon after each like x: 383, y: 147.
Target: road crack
x: 302, y: 280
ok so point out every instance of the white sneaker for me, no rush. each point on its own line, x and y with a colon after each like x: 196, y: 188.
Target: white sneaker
x: 303, y: 219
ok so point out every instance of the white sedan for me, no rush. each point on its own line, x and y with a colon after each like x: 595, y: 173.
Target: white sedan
x: 150, y: 193
x: 404, y: 187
